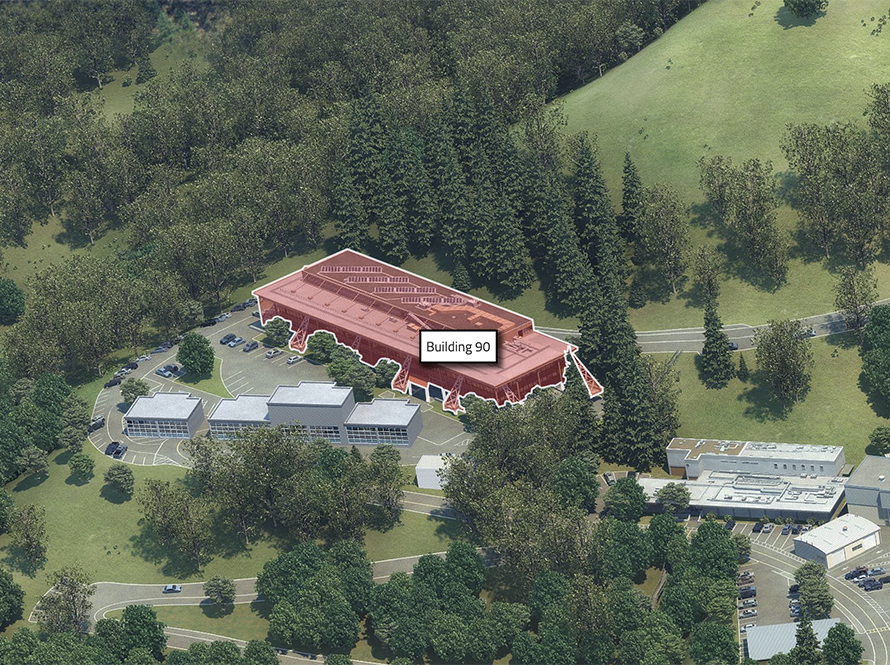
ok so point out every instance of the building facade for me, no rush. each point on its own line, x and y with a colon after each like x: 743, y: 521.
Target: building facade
x: 840, y: 539
x: 165, y: 416
x: 320, y: 409
x: 692, y: 457
x: 868, y: 490
x: 379, y: 310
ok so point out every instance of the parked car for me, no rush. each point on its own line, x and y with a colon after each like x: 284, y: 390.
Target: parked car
x: 160, y: 349
x: 794, y: 602
x: 165, y: 373
x: 862, y: 581
x: 730, y: 525
x: 786, y: 529
x: 209, y: 322
x: 131, y: 366
x: 733, y: 346
x: 119, y: 453
x: 796, y: 529
x: 121, y: 373
x: 112, y: 383
x: 111, y: 448
x: 272, y: 353
x: 747, y: 626
x: 96, y: 423
x: 293, y: 360
x: 239, y: 307
x: 632, y: 474
x: 767, y: 527
x: 885, y: 580
x: 747, y: 592
x: 874, y: 572
x: 225, y: 339
x: 172, y: 588
x: 172, y: 368
x: 251, y: 300
x: 609, y: 477
x: 256, y: 313
x: 757, y: 527
x: 794, y: 588
x: 236, y: 342
x: 872, y: 585
x: 748, y: 613
x: 143, y: 358
x: 747, y: 603
x: 856, y: 572
x: 177, y: 339
x: 250, y: 346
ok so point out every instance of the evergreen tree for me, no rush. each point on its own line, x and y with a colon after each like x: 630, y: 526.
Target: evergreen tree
x: 511, y: 265
x: 716, y: 358
x: 350, y: 216
x: 460, y: 278
x: 744, y: 374
x: 392, y: 226
x: 447, y: 179
x: 411, y: 183
x: 480, y: 239
x: 806, y: 648
x: 631, y: 196
x: 463, y: 123
x: 594, y: 216
x: 364, y: 155
x: 146, y: 70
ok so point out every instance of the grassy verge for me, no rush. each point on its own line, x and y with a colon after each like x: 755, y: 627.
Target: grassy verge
x: 246, y: 621
x: 836, y: 411
x: 211, y: 383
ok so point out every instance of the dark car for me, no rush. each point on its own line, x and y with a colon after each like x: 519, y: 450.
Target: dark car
x: 729, y: 526
x: 96, y: 423
x: 171, y: 368
x: 111, y: 448
x: 227, y: 338
x: 131, y: 366
x: 632, y: 474
x: 758, y: 527
x: 256, y: 313
x: 240, y: 307
x: 119, y: 453
x: 209, y: 322
x: 747, y: 592
x: 796, y: 529
x: 112, y: 383
x: 786, y: 529
x: 250, y: 346
x: 873, y: 585
x: 733, y: 346
x: 885, y: 580
x: 794, y: 588
x: 856, y: 572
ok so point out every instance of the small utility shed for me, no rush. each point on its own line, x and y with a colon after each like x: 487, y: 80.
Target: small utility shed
x: 764, y: 642
x: 427, y: 471
x: 835, y: 542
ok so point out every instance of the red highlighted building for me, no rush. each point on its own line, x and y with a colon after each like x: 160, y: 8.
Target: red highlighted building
x: 378, y: 310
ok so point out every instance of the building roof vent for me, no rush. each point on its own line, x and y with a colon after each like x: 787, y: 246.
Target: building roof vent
x: 845, y: 527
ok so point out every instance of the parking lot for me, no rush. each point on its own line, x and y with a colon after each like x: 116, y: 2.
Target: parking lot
x: 248, y: 373
x: 773, y: 564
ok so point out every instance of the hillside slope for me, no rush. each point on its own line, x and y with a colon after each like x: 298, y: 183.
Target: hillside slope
x: 727, y: 80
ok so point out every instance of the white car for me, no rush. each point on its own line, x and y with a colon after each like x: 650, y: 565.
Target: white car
x: 142, y: 359
x: 172, y: 588
x: 293, y: 359
x: 767, y: 527
x: 747, y: 626
x: 748, y: 613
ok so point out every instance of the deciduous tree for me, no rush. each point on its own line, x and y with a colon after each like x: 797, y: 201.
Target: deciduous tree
x: 196, y: 354
x: 785, y: 357
x: 663, y: 229
x: 855, y: 293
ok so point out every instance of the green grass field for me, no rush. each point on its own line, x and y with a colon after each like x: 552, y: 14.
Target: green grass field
x: 836, y: 411
x: 727, y: 80
x: 209, y: 384
x: 117, y: 548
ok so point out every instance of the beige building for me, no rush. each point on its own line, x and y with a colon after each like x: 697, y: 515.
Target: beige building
x: 833, y: 543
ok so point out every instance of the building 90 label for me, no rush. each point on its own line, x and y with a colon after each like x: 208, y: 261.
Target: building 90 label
x: 458, y: 346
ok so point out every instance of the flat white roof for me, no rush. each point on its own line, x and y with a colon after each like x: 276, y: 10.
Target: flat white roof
x: 839, y: 533
x: 383, y: 413
x: 758, y: 449
x: 764, y: 642
x: 164, y: 406
x: 243, y: 408
x: 434, y: 462
x: 721, y: 488
x: 311, y: 393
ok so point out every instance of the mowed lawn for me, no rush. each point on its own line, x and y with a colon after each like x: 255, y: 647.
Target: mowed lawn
x: 836, y: 411
x: 727, y: 80
x: 101, y: 532
x: 211, y: 383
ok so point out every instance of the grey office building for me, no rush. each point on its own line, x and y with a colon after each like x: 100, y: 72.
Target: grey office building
x: 321, y: 409
x: 868, y: 490
x: 395, y: 421
x: 165, y: 416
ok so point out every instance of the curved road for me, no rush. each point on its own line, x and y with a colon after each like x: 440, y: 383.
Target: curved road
x: 692, y: 339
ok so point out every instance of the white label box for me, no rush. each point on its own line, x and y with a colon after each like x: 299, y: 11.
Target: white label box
x: 458, y: 346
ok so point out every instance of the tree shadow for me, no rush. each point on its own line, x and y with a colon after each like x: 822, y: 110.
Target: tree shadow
x: 63, y: 458
x: 703, y: 215
x: 652, y: 285
x: 15, y: 559
x: 73, y: 239
x: 78, y: 481
x: 763, y: 406
x: 502, y: 585
x: 111, y: 495
x: 30, y: 482
x: 147, y: 546
x: 213, y: 611
x: 876, y: 401
x: 378, y: 520
x: 787, y: 186
x: 844, y: 340
x: 788, y: 20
